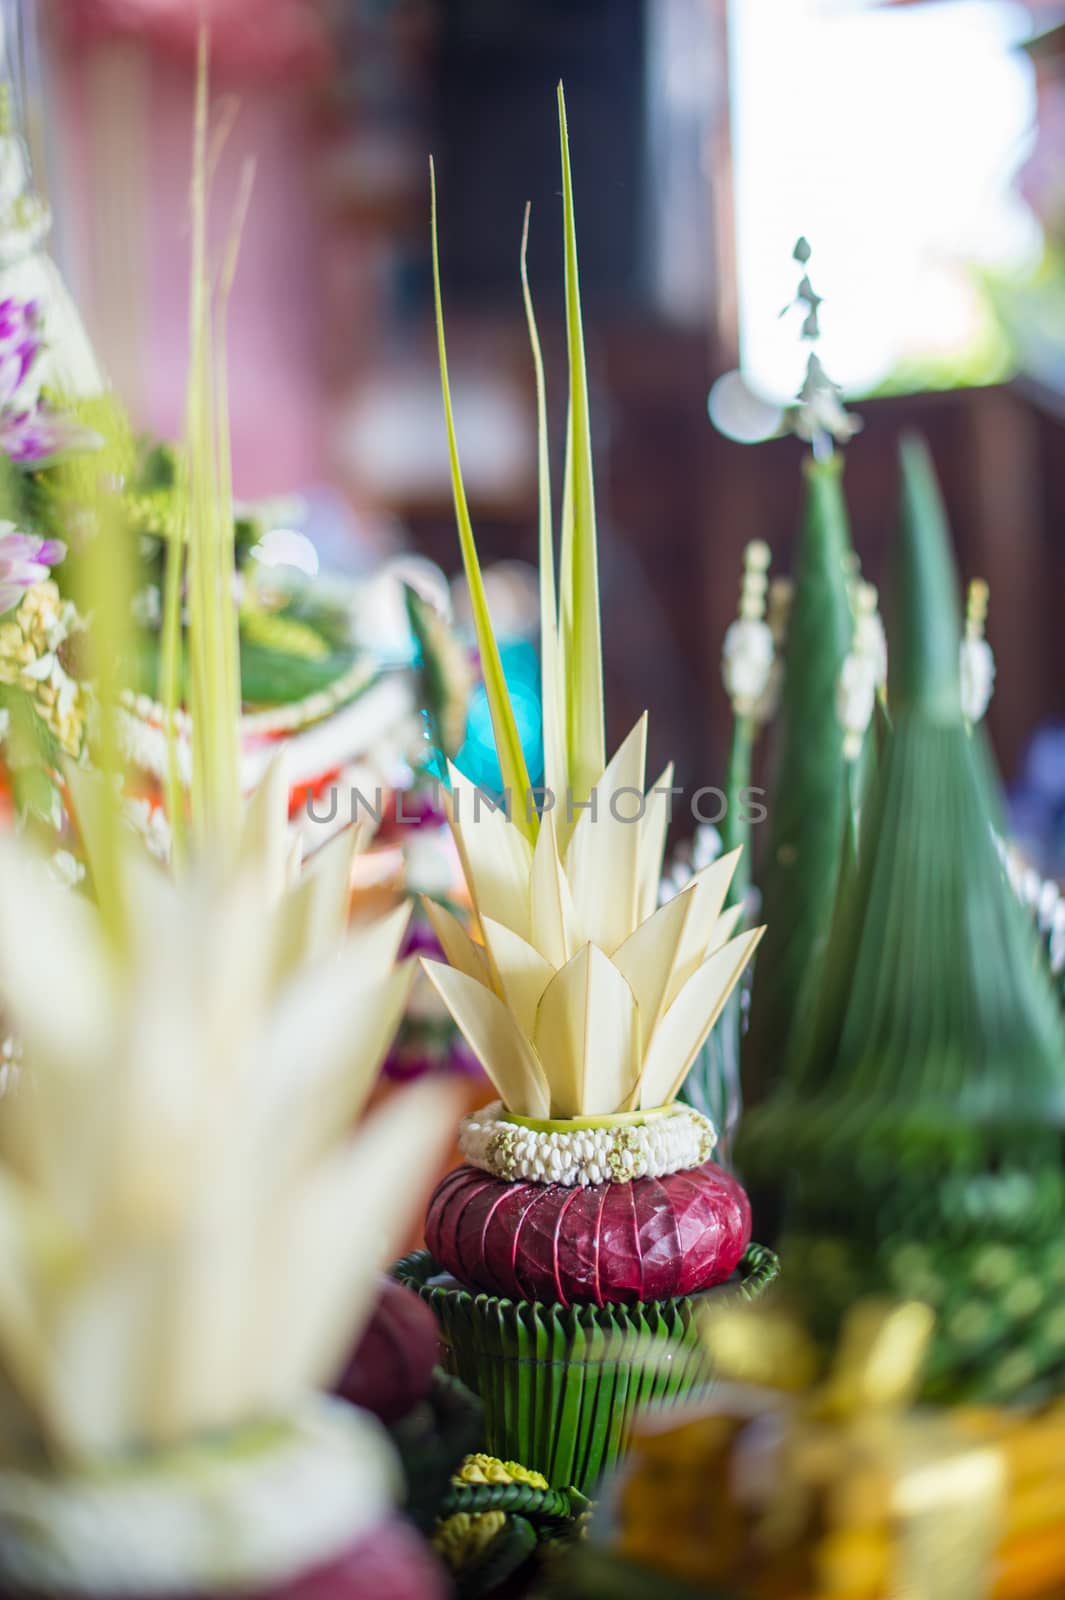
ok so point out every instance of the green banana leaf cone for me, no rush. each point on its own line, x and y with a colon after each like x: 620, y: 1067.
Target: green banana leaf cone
x: 807, y: 801
x: 917, y: 1146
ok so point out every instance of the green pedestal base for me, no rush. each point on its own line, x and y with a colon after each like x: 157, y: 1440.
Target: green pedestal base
x: 561, y: 1386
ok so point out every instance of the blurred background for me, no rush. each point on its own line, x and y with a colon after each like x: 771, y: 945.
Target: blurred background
x: 920, y: 147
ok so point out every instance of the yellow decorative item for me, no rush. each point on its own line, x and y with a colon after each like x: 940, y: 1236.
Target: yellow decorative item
x: 465, y: 1535
x: 794, y: 1489
x: 489, y: 1469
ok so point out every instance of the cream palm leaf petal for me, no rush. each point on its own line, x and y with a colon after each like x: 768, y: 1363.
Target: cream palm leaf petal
x: 190, y: 1230
x: 583, y: 999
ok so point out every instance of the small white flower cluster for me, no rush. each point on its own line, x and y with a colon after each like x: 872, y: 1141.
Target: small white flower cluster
x: 749, y: 650
x: 299, y: 714
x: 142, y: 724
x: 153, y: 826
x: 10, y: 1062
x: 855, y: 702
x: 977, y: 678
x: 673, y: 1143
x: 149, y: 710
x: 1043, y: 899
x: 747, y: 662
x: 66, y: 869
x: 143, y: 741
x: 864, y: 672
x: 976, y: 663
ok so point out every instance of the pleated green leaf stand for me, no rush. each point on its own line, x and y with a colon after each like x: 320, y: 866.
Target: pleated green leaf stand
x: 561, y: 1386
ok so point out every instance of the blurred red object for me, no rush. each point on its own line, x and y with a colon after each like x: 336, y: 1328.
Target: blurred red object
x: 249, y: 39
x: 391, y: 1369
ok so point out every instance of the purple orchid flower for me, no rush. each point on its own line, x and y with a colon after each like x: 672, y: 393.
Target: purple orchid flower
x: 20, y: 344
x: 30, y: 437
x: 24, y: 561
x: 30, y: 431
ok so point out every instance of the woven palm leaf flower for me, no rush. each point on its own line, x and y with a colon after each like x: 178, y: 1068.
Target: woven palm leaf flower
x: 584, y: 999
x: 190, y: 1230
x: 185, y: 1125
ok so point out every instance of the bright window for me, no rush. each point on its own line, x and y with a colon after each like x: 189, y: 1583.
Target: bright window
x: 890, y: 137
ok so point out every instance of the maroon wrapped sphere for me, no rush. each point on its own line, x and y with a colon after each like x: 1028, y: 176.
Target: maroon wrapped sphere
x: 651, y: 1239
x: 391, y: 1370
x: 393, y: 1560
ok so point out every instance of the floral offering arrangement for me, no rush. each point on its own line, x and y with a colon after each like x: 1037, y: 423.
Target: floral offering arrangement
x: 588, y: 1211
x: 194, y: 1225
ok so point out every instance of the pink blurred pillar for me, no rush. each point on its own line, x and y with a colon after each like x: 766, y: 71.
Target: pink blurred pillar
x: 124, y: 154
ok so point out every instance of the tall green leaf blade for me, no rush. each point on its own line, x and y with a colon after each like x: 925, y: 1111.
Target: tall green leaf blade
x: 206, y: 510
x: 551, y: 666
x: 926, y: 638
x: 582, y: 643
x: 508, y: 742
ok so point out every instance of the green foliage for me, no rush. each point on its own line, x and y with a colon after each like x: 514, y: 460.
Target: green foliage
x: 446, y: 677
x: 1000, y: 1304
x: 269, y: 676
x: 934, y: 1005
x: 581, y: 651
x: 508, y: 741
x: 574, y: 737
x: 32, y: 756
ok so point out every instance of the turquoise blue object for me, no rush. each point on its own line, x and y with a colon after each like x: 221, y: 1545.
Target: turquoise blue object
x: 477, y: 758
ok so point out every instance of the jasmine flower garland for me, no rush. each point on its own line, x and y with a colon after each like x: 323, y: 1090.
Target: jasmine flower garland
x: 674, y: 1142
x: 36, y: 643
